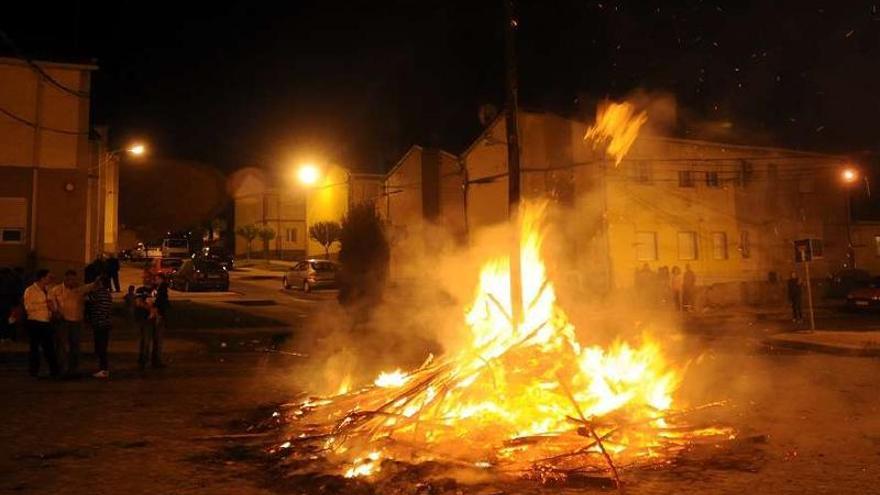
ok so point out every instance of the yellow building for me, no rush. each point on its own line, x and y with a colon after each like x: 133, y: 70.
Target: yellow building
x: 289, y: 208
x: 729, y: 212
x: 280, y: 208
x: 53, y: 182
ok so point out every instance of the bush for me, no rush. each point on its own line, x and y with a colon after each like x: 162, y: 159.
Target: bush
x: 364, y: 255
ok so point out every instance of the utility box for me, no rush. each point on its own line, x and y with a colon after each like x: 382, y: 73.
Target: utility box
x: 808, y: 250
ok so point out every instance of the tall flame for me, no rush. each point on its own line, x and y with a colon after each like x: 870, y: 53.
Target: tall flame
x: 617, y: 127
x: 511, y: 383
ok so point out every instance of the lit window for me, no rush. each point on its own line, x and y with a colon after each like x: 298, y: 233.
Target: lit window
x: 687, y: 245
x: 719, y: 245
x: 685, y: 178
x: 646, y: 246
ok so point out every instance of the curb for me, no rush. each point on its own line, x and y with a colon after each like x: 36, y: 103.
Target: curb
x: 822, y: 348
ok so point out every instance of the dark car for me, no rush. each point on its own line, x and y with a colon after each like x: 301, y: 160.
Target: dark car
x: 865, y: 297
x: 219, y: 254
x: 200, y: 274
x: 311, y: 274
x: 846, y: 281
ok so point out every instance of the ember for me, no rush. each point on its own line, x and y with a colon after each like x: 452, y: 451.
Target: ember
x: 524, y: 398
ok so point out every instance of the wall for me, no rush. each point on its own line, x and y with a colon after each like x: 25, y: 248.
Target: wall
x: 58, y: 155
x: 281, y: 210
x: 774, y: 195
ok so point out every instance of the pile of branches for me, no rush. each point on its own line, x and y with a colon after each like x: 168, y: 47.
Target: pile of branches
x: 335, y: 434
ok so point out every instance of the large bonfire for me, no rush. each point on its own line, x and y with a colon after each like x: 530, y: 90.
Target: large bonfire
x: 522, y: 398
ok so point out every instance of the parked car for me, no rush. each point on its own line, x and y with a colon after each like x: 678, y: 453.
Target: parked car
x: 220, y: 255
x: 138, y: 253
x: 846, y: 281
x: 865, y: 297
x: 200, y: 274
x: 311, y: 274
x: 161, y: 266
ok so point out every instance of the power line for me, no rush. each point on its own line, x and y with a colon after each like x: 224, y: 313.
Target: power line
x: 39, y: 70
x: 24, y: 121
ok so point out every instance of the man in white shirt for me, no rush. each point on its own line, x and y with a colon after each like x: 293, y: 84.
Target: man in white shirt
x: 39, y: 307
x: 69, y: 299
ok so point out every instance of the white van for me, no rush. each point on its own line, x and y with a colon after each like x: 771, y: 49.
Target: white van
x: 175, y: 248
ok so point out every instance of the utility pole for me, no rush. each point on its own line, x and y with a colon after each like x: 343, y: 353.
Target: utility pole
x: 513, y: 175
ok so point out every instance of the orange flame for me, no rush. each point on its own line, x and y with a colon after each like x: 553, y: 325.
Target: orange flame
x: 617, y: 127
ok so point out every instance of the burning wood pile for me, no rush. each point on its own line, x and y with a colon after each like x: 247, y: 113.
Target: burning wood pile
x: 524, y: 399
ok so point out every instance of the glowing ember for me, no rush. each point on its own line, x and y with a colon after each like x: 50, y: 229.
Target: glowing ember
x: 522, y: 396
x: 617, y: 126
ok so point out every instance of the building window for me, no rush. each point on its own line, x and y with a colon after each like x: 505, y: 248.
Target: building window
x: 643, y: 172
x: 712, y: 179
x: 685, y: 178
x: 719, y: 245
x: 745, y: 244
x: 13, y: 218
x: 291, y: 235
x: 746, y: 173
x: 687, y: 245
x: 646, y: 246
x: 877, y: 245
x: 11, y: 236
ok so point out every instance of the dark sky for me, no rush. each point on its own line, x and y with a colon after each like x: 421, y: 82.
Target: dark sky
x: 268, y: 83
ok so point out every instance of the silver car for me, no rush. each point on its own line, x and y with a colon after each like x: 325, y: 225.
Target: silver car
x: 311, y: 274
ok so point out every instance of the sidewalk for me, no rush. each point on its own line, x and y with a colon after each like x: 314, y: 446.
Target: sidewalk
x: 845, y: 343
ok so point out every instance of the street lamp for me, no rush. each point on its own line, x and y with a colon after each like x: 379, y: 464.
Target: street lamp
x: 849, y: 175
x: 137, y: 149
x: 308, y: 174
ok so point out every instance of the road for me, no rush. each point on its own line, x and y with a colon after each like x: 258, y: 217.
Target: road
x: 817, y: 415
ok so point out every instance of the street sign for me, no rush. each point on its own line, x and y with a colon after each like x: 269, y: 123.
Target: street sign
x: 808, y: 250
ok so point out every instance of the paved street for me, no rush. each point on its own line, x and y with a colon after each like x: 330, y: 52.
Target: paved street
x: 815, y: 416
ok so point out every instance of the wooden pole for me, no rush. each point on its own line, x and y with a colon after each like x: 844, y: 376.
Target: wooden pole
x: 513, y: 176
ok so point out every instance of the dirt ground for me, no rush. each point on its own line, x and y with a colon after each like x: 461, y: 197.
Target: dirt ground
x: 818, y: 417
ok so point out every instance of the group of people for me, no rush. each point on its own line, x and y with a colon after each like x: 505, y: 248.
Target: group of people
x: 665, y: 286
x: 55, y: 316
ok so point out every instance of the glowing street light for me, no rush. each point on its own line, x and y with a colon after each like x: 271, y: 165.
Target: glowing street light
x: 308, y: 174
x: 849, y: 175
x: 137, y: 149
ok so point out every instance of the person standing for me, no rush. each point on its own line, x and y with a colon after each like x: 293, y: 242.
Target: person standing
x: 100, y: 313
x: 689, y: 286
x: 676, y: 285
x: 113, y: 271
x: 794, y: 297
x: 145, y: 322
x: 161, y: 304
x: 69, y: 299
x: 39, y: 308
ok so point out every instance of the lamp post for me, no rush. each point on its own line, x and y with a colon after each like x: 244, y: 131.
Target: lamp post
x: 849, y: 175
x: 97, y: 173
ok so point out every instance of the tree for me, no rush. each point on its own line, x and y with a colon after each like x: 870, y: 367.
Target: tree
x: 266, y: 234
x: 364, y: 255
x: 218, y: 227
x: 249, y: 232
x: 325, y: 234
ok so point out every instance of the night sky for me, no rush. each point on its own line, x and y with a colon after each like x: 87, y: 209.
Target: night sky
x: 268, y: 84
